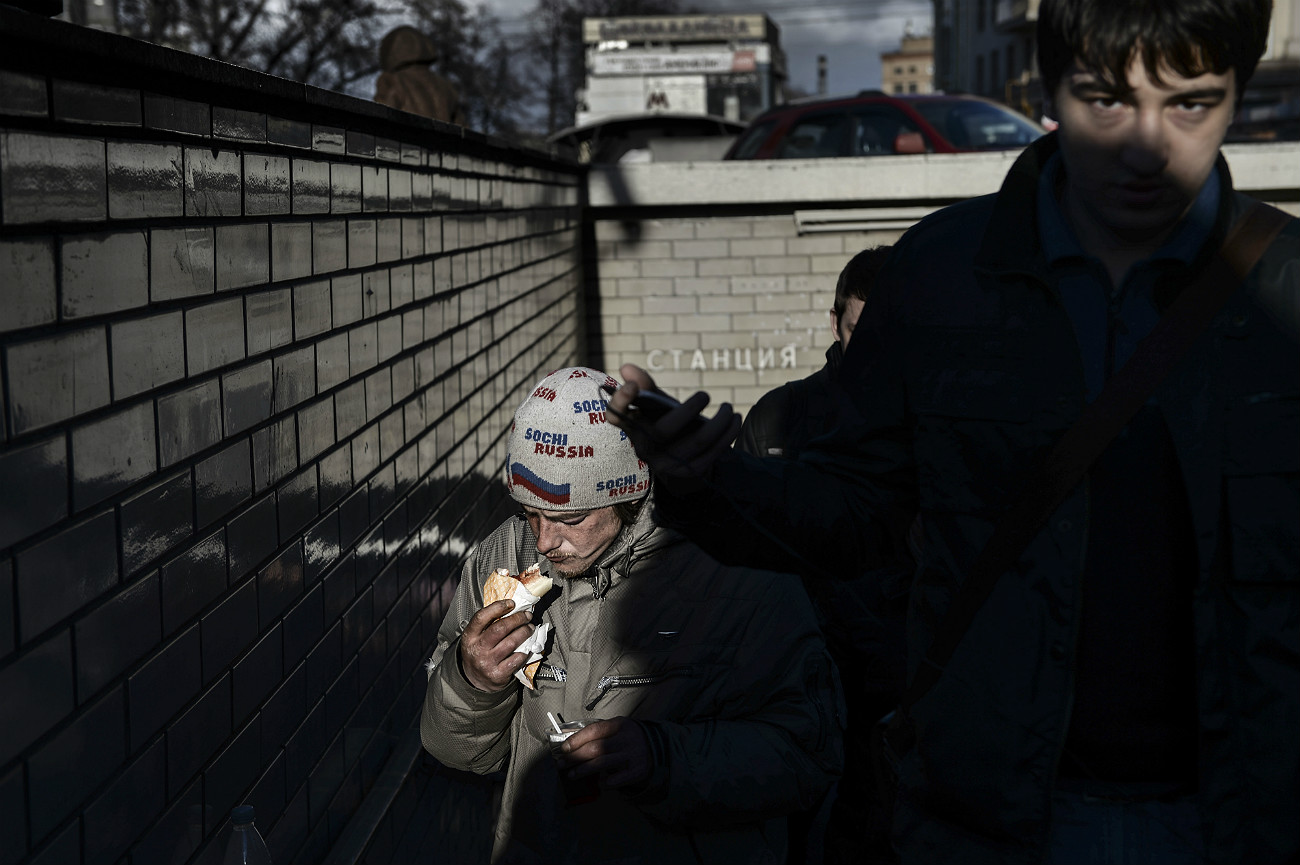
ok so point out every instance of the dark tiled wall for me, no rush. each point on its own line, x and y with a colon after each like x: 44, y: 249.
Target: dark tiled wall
x: 255, y: 372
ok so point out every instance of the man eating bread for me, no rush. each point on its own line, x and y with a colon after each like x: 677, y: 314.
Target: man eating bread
x: 710, y: 704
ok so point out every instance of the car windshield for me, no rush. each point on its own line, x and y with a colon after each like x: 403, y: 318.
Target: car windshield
x: 975, y: 125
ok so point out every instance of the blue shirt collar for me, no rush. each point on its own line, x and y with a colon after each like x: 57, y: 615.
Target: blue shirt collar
x: 1183, y: 243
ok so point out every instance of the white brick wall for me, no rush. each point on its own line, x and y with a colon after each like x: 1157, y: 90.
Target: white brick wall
x: 743, y: 291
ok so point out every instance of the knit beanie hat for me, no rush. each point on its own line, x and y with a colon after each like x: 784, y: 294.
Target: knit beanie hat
x: 563, y: 456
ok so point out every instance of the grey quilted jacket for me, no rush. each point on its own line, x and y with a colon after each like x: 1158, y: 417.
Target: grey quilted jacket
x: 723, y: 666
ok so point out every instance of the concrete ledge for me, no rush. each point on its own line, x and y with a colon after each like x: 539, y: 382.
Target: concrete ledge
x: 875, y: 181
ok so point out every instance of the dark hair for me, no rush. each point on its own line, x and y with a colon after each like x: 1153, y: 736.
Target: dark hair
x: 1191, y: 37
x: 859, y: 276
x: 627, y: 511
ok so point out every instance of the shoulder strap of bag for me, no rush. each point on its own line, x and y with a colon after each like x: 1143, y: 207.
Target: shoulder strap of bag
x: 1102, y: 420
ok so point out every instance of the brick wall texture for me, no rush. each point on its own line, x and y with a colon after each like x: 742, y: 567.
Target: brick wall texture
x: 732, y: 304
x: 255, y: 375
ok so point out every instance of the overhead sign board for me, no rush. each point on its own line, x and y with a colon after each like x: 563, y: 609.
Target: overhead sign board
x: 678, y: 28
x: 702, y: 63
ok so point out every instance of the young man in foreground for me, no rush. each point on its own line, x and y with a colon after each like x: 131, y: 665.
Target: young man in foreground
x: 710, y: 698
x: 1130, y: 689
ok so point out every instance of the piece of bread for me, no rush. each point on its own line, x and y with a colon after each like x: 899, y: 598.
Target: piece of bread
x: 500, y: 585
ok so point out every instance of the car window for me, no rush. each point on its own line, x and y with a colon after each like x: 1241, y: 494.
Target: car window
x: 817, y: 136
x: 877, y: 129
x: 753, y: 139
x: 976, y: 125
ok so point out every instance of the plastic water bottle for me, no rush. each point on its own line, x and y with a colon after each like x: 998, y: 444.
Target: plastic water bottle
x: 245, y: 846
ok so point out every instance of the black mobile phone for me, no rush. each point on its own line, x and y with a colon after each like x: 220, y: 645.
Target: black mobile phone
x: 649, y: 406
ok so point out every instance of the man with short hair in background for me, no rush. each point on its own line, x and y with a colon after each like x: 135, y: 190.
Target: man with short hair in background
x: 712, y: 705
x: 862, y: 617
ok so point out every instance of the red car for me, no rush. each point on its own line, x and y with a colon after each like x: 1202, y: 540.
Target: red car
x: 874, y: 124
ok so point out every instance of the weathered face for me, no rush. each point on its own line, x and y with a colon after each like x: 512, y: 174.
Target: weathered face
x: 843, y: 325
x: 1135, y: 161
x: 573, y: 540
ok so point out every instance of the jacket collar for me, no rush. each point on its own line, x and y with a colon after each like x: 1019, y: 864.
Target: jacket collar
x: 633, y: 542
x: 1007, y: 248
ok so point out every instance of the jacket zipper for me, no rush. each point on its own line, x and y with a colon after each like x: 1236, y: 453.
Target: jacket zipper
x: 608, y: 683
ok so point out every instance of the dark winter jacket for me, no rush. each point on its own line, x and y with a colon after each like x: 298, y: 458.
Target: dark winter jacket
x: 788, y: 417
x: 724, y: 667
x: 969, y: 365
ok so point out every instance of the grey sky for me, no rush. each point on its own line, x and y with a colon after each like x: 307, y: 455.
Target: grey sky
x: 851, y: 33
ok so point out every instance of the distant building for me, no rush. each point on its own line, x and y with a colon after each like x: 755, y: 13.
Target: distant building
x: 727, y: 65
x: 987, y: 47
x: 910, y: 69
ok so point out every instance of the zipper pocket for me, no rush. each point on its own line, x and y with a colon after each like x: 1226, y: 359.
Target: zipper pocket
x: 608, y: 683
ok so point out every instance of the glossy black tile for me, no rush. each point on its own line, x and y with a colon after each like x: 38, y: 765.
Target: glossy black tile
x: 332, y: 362
x: 34, y: 477
x: 103, y: 273
x: 291, y: 133
x: 56, y: 378
x: 243, y: 255
x: 361, y: 242
x: 193, y: 580
x: 303, y: 627
x: 197, y: 734
x: 388, y: 240
x: 213, y: 182
x: 312, y: 308
x: 232, y: 772
x: 128, y: 807
x: 269, y: 320
x: 13, y: 805
x: 145, y: 181
x: 252, y: 537
x: 295, y: 378
x: 27, y: 272
x: 246, y: 397
x: 315, y: 429
x: 329, y: 245
x: 297, y: 502
x: 223, y: 482
x: 290, y: 250
x: 164, y: 684
x: 238, y: 125
x: 63, y: 573
x: 345, y: 183
x: 78, y: 759
x: 279, y: 584
x: 112, y: 453
x: 310, y: 186
x: 156, y: 520
x: 327, y: 139
x: 214, y: 335
x: 228, y: 630
x: 335, y: 475
x: 39, y: 693
x: 181, y: 263
x: 78, y: 102
x: 147, y: 353
x: 23, y: 96
x: 177, y: 115
x: 258, y: 673
x: 275, y: 452
x: 374, y: 188
x: 189, y: 421
x: 376, y: 293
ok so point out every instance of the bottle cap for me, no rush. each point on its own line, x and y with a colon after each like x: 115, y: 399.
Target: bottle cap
x: 242, y: 815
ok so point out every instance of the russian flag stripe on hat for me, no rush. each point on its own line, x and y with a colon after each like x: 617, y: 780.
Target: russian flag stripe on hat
x: 556, y: 494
